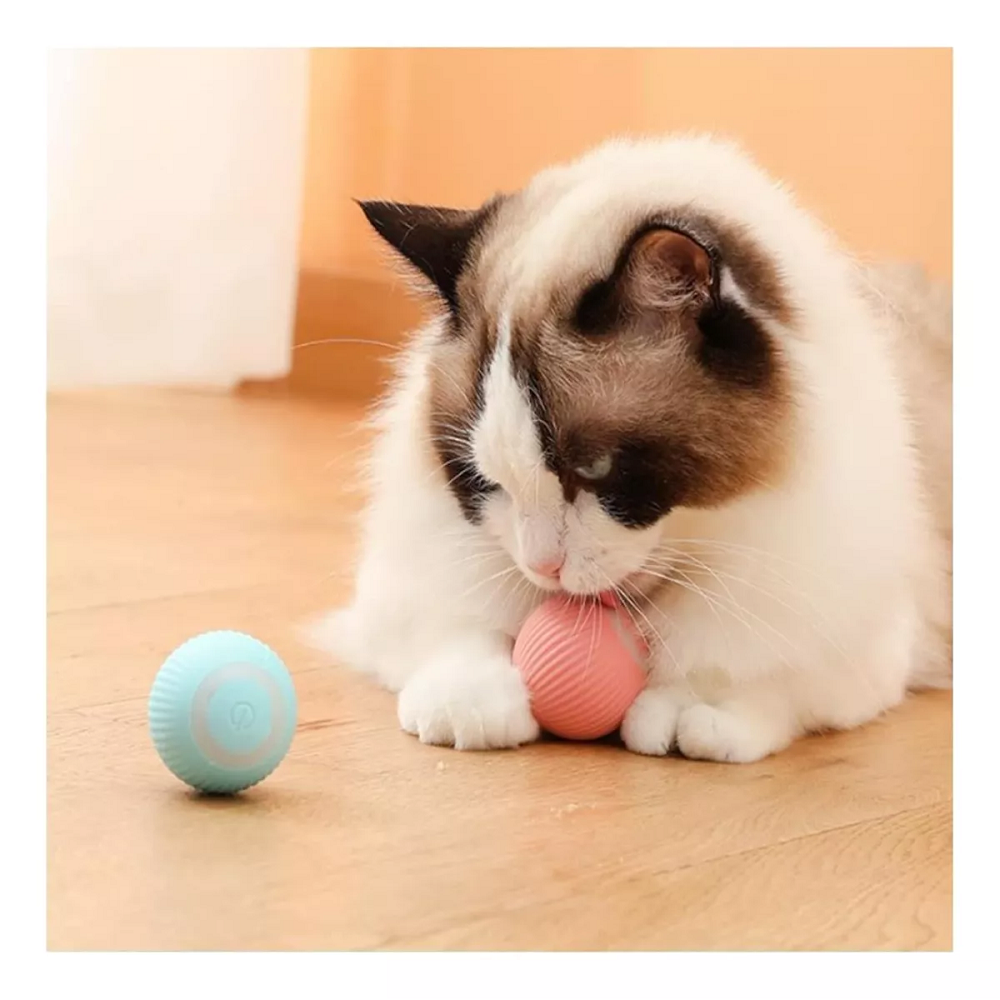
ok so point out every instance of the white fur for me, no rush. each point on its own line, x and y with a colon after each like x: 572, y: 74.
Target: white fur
x: 819, y: 602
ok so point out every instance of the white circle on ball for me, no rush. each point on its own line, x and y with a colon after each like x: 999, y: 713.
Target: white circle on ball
x: 201, y: 733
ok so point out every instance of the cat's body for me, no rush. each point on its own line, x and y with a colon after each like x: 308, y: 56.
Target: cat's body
x: 657, y: 373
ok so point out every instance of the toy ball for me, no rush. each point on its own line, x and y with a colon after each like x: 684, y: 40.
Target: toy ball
x: 583, y: 664
x: 222, y: 712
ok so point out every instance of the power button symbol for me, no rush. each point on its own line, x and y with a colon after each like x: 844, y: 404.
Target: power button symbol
x: 241, y: 715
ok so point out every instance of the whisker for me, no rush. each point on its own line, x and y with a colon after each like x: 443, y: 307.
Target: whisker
x: 718, y: 617
x: 629, y: 600
x: 738, y: 548
x: 770, y: 595
x: 708, y: 598
x: 721, y: 575
x: 595, y: 634
x: 482, y: 583
x: 349, y: 340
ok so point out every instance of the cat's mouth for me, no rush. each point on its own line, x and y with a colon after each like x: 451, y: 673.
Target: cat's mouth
x: 612, y: 593
x: 549, y: 582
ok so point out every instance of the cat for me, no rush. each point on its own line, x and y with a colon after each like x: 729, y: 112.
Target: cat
x: 653, y: 372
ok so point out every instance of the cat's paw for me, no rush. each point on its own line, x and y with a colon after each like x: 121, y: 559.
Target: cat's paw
x: 650, y: 724
x: 708, y: 732
x: 470, y: 706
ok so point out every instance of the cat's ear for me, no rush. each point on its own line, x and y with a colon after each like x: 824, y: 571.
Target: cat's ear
x: 434, y: 240
x: 659, y: 270
x: 664, y: 263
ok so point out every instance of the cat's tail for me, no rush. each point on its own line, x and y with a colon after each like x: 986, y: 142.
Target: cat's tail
x: 937, y: 675
x: 349, y: 637
x: 933, y: 668
x: 336, y: 633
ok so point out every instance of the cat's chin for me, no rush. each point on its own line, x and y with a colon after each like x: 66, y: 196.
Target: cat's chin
x: 630, y: 585
x: 553, y: 587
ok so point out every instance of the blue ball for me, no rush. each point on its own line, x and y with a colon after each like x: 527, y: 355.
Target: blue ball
x: 222, y: 712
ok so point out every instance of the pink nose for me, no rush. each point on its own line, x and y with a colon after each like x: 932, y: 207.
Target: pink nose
x: 548, y: 568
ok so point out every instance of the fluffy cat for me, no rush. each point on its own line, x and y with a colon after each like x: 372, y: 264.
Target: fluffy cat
x: 654, y: 372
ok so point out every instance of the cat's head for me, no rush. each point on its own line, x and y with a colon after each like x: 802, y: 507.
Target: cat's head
x: 609, y: 354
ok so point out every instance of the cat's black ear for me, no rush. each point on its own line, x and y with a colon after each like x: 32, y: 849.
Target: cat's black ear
x: 434, y: 240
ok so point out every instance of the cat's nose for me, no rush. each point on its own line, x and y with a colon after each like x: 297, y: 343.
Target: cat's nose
x: 549, y: 568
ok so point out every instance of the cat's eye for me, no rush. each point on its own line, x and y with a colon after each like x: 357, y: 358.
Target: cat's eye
x: 597, y: 469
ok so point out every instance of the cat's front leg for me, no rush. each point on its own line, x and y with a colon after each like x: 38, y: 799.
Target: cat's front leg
x: 748, y: 723
x: 650, y: 724
x: 468, y: 695
x: 738, y: 724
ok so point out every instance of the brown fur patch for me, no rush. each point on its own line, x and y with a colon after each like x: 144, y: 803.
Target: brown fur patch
x: 753, y: 270
x: 693, y: 402
x: 458, y: 366
x: 683, y: 431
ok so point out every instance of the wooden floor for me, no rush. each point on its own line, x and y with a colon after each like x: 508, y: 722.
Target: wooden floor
x: 170, y: 514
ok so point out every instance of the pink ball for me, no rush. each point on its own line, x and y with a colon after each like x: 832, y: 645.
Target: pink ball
x: 582, y: 661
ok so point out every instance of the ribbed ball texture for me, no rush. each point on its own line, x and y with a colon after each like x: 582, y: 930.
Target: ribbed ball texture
x: 583, y: 662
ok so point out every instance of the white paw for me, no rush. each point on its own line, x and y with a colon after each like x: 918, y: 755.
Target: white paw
x: 705, y: 732
x: 470, y: 706
x: 650, y: 724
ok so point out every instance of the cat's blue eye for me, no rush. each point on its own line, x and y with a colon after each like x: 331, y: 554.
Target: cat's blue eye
x: 597, y: 469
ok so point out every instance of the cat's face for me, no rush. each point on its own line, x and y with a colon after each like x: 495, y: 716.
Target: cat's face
x: 602, y: 365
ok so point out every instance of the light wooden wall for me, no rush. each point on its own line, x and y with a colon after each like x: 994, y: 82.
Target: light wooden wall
x: 863, y: 135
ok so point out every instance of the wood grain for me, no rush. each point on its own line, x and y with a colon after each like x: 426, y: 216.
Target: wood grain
x: 174, y: 513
